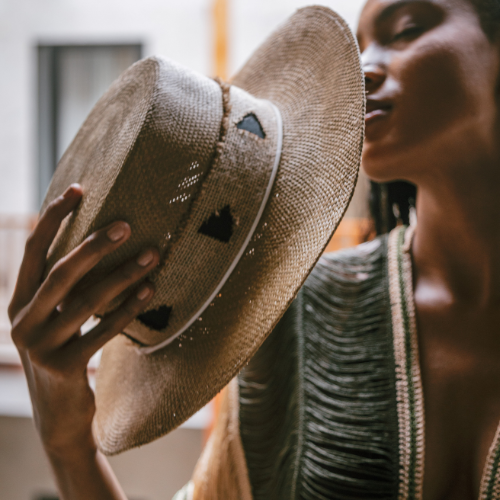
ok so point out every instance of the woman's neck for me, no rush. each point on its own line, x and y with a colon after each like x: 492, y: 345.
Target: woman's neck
x: 456, y: 248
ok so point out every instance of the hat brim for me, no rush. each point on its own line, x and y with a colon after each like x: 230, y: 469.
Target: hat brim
x: 310, y: 69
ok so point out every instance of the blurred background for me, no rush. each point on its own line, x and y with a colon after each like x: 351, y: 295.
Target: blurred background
x: 57, y: 58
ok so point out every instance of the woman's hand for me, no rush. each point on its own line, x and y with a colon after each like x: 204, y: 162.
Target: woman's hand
x: 46, y: 321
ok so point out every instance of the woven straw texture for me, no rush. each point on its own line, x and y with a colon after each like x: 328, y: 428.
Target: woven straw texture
x: 155, y: 116
x: 184, y: 157
x: 196, y: 263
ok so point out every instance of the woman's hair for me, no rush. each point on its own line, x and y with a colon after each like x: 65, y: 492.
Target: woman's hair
x: 489, y: 13
x: 390, y: 204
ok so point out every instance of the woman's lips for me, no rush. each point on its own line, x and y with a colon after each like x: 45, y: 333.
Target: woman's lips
x: 376, y: 110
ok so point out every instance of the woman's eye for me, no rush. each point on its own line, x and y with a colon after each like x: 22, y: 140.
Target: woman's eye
x: 408, y: 33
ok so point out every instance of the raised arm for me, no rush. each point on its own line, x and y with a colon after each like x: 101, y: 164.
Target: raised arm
x: 46, y: 319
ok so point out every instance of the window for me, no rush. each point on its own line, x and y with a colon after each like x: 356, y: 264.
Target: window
x: 71, y: 78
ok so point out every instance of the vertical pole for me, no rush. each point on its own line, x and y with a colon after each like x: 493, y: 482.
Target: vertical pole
x: 220, y: 24
x: 220, y: 69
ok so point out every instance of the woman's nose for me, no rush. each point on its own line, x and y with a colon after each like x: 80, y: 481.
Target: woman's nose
x: 374, y: 67
x: 374, y: 77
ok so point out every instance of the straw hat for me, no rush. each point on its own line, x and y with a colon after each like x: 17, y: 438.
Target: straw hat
x: 240, y: 187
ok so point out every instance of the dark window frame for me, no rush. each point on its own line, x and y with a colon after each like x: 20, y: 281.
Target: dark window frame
x: 48, y: 61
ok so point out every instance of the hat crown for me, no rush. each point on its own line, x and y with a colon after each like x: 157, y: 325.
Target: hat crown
x: 156, y: 116
x: 221, y: 219
x: 191, y: 183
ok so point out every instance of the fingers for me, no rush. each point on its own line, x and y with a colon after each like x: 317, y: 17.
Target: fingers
x: 70, y: 269
x: 111, y: 325
x: 38, y: 244
x: 98, y: 296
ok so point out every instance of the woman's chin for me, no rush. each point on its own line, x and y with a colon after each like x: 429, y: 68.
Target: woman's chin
x: 379, y: 163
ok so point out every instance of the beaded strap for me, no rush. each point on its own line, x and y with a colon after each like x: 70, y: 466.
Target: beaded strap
x: 490, y: 484
x: 409, y: 393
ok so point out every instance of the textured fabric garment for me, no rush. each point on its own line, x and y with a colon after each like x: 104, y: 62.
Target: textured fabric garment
x: 185, y: 493
x: 318, y: 414
x: 221, y: 471
x: 332, y: 406
x: 409, y: 392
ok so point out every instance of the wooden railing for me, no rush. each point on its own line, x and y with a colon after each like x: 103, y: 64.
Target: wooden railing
x: 14, y: 230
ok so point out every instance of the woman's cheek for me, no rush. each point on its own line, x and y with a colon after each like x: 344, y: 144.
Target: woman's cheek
x: 443, y: 86
x: 435, y: 98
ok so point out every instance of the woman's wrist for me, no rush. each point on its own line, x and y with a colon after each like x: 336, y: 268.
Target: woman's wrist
x: 84, y: 473
x: 69, y: 452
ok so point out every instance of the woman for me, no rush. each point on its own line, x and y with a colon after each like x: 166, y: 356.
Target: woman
x: 432, y: 81
x: 432, y: 72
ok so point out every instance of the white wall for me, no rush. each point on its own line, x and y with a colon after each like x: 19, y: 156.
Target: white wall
x: 153, y: 472
x: 253, y: 20
x: 178, y: 29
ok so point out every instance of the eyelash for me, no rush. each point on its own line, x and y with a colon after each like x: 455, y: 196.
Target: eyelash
x: 407, y: 32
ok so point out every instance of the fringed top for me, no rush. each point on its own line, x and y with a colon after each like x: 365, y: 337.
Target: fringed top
x: 317, y: 412
x: 331, y: 406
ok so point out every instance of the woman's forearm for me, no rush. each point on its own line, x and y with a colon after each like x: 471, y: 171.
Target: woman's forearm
x: 84, y: 475
x: 46, y: 320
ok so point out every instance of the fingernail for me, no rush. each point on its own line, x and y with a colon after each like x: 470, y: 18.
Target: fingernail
x: 117, y: 232
x: 69, y: 190
x: 145, y: 258
x: 143, y: 292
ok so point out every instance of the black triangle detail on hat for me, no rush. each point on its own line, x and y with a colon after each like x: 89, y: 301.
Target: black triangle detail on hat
x: 251, y: 124
x: 219, y: 225
x: 157, y: 319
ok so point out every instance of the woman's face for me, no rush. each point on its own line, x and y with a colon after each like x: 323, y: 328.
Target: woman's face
x: 432, y: 82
